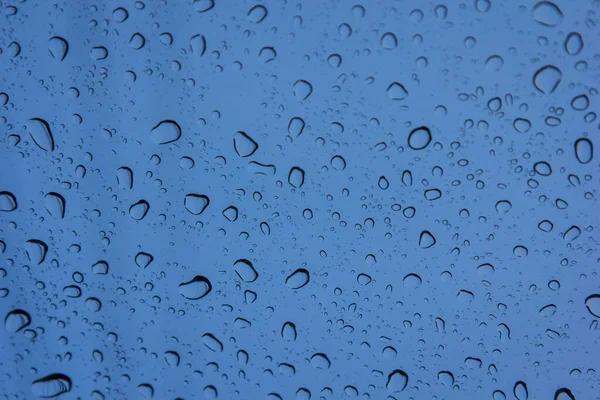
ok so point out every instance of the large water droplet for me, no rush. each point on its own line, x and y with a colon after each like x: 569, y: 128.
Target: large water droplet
x: 593, y: 305
x: 302, y: 89
x: 573, y: 43
x: 55, y: 204
x: 198, y: 44
x: 139, y: 210
x: 195, y: 289
x: 426, y: 240
x: 16, y: 320
x: 296, y: 177
x: 257, y: 14
x: 40, y: 133
x: 51, y: 386
x: 245, y: 270
x: 396, y: 91
x: 36, y: 250
x: 419, y: 138
x: 298, y: 279
x: 8, y: 202
x: 584, y: 150
x: 195, y: 203
x: 397, y: 381
x: 212, y: 343
x: 164, y: 132
x: 547, y: 13
x: 203, y: 5
x: 547, y: 79
x: 58, y: 47
x: 243, y: 144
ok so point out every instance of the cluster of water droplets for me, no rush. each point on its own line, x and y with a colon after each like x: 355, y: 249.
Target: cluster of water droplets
x: 302, y: 200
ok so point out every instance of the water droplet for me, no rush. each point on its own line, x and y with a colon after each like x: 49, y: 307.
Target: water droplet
x: 572, y: 233
x: 172, y: 358
x: 243, y: 144
x: 125, y: 178
x: 412, y: 281
x: 231, y: 213
x: 267, y: 54
x: 397, y: 381
x: 139, y: 210
x: 58, y: 47
x: 426, y: 240
x: 298, y: 279
x: 36, y: 251
x: 55, y: 205
x: 338, y: 163
x: 542, y: 168
x: 137, y: 41
x: 212, y: 343
x: 16, y: 320
x: 195, y: 203
x: 8, y: 202
x: 198, y: 44
x: 100, y: 268
x: 494, y: 63
x: 143, y: 260
x: 522, y: 125
x: 302, y: 90
x: 334, y: 60
x: 40, y: 133
x: 383, y: 183
x: 547, y: 79
x: 245, y: 270
x: 396, y: 91
x: 195, y: 289
x: 563, y: 394
x: 98, y: 53
x: 547, y: 13
x: 288, y: 331
x: 120, y: 14
x: 389, y: 41
x: 164, y: 132
x: 320, y: 361
x: 296, y: 126
x: 296, y: 177
x: 419, y: 138
x: 51, y: 386
x: 257, y: 14
x: 573, y: 43
x: 584, y: 150
x: 203, y: 5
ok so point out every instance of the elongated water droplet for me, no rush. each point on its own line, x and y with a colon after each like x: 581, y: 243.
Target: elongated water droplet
x: 196, y: 288
x: 298, y: 279
x: 8, y: 202
x: 296, y: 177
x: 245, y: 270
x: 547, y: 13
x: 16, y: 320
x: 55, y: 204
x: 41, y: 134
x: 244, y: 145
x: 397, y: 381
x: 36, y: 251
x: 139, y: 210
x: 584, y: 150
x: 51, y: 386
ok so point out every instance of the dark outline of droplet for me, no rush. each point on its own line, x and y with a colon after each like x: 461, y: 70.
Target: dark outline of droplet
x: 418, y: 129
x: 301, y: 129
x: 245, y: 135
x: 299, y: 271
x: 66, y: 45
x: 18, y: 311
x: 565, y: 391
x: 148, y: 255
x: 248, y: 263
x: 145, y: 212
x: 322, y: 355
x: 206, y: 9
x: 562, y: 16
x: 290, y: 175
x: 44, y: 247
x: 539, y: 71
x: 48, y: 131
x: 402, y: 373
x: 423, y: 233
x: 54, y: 377
x: 305, y: 82
x: 130, y: 175
x: 198, y: 278
x: 203, y: 43
x: 593, y: 296
x: 210, y: 335
x: 567, y: 41
x: 259, y: 6
x: 143, y: 41
x: 591, y: 150
x: 171, y: 122
x: 198, y: 196
x: 13, y: 198
x: 268, y: 48
x: 292, y: 325
x: 401, y: 86
x: 62, y: 199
